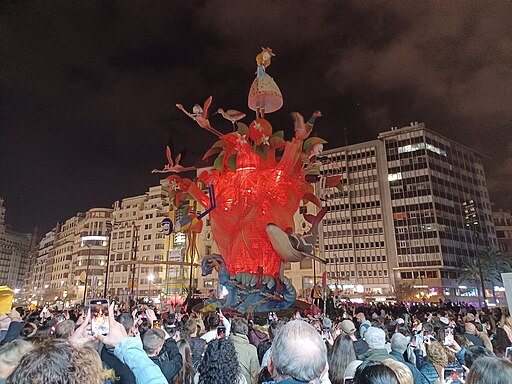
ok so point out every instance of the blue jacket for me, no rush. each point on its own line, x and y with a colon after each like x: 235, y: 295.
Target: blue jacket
x: 416, y: 374
x: 428, y: 370
x: 130, y: 352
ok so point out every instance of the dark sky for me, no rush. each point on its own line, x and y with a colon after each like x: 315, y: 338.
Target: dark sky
x: 88, y: 89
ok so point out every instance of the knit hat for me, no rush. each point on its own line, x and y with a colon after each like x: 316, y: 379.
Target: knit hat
x: 347, y: 326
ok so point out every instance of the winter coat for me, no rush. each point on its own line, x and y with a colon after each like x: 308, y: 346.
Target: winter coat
x: 247, y: 356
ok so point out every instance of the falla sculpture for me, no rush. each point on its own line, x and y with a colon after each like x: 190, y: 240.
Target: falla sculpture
x: 258, y: 180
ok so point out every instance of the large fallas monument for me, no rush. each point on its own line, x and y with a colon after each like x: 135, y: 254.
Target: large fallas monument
x: 256, y: 183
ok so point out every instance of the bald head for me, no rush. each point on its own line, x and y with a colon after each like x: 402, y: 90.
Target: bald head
x: 298, y: 352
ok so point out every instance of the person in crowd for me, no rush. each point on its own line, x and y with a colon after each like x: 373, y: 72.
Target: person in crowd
x: 342, y: 355
x: 402, y: 371
x: 258, y: 331
x: 299, y: 354
x: 475, y: 352
x: 123, y: 373
x: 506, y: 323
x: 372, y: 372
x: 14, y: 326
x: 363, y: 324
x: 376, y: 340
x: 246, y: 352
x: 213, y: 323
x: 490, y: 370
x: 57, y: 361
x: 477, y: 338
x: 220, y: 364
x: 11, y: 355
x: 129, y: 351
x: 187, y: 371
x: 399, y: 344
x: 436, y: 361
x: 273, y: 328
x: 163, y: 351
x: 348, y: 327
x: 64, y: 330
x: 197, y: 345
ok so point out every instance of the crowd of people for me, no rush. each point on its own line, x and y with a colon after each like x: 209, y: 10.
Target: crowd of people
x: 359, y: 344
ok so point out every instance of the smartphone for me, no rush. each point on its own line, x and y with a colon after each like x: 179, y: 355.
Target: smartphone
x: 99, y: 317
x: 453, y: 375
x: 157, y: 324
x: 508, y: 353
x: 349, y: 380
x: 221, y: 332
x: 448, y: 336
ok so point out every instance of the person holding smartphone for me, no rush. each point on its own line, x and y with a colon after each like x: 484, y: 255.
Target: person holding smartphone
x: 214, y: 321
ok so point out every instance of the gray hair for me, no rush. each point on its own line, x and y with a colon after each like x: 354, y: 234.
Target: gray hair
x: 239, y: 326
x: 375, y: 338
x: 399, y: 343
x: 299, y: 352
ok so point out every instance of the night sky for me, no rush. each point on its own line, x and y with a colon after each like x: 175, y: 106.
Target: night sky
x: 88, y: 89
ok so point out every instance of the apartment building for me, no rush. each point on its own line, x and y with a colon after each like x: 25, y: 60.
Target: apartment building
x: 36, y: 277
x: 14, y: 251
x: 90, y: 253
x: 138, y: 247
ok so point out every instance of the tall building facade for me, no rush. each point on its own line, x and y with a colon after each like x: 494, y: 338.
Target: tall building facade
x: 61, y: 259
x: 138, y: 248
x: 89, y: 255
x: 430, y: 178
x: 399, y: 219
x: 357, y: 237
x: 14, y: 251
x: 40, y: 275
x: 503, y: 224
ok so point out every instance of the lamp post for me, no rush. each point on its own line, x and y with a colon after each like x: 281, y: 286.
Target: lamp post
x: 134, y: 256
x: 87, y: 272
x: 109, y: 234
x: 471, y: 221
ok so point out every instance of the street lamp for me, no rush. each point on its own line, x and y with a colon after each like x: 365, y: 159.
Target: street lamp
x: 86, y: 271
x: 471, y: 221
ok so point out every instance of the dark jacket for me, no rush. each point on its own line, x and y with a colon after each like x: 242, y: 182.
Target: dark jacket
x: 169, y: 360
x: 198, y: 346
x: 429, y: 371
x: 379, y: 354
x: 416, y: 374
x: 123, y: 373
x: 474, y: 339
x: 13, y: 332
x: 360, y: 347
x: 257, y: 335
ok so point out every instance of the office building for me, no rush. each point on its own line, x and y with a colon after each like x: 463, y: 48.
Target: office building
x: 399, y: 219
x: 357, y: 236
x: 503, y: 225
